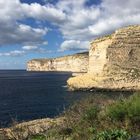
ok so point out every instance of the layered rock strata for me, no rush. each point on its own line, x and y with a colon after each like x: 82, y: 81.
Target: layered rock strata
x: 72, y: 63
x: 114, y: 62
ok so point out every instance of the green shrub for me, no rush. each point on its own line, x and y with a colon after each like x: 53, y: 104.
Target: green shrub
x: 117, y: 111
x: 91, y: 114
x: 112, y: 135
x: 38, y: 137
x: 65, y: 131
x: 126, y: 109
x: 134, y: 108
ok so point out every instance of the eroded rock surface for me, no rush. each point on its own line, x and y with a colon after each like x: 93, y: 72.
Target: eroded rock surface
x: 72, y: 63
x: 114, y: 62
x: 23, y: 130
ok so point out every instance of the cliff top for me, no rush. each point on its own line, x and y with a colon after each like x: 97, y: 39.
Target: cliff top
x: 102, y: 38
x: 62, y: 57
x: 121, y: 31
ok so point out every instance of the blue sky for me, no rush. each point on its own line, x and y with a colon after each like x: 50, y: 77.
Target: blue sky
x: 51, y: 28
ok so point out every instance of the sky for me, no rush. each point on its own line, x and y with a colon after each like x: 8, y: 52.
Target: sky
x: 51, y: 28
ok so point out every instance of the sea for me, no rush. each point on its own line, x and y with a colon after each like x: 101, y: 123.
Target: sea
x: 27, y: 95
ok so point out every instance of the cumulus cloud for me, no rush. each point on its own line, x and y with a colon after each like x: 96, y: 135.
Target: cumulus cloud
x: 12, y: 33
x: 47, y: 12
x: 86, y: 23
x: 74, y: 45
x: 79, y: 23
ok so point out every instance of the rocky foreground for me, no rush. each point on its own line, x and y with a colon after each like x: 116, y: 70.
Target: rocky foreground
x: 24, y: 130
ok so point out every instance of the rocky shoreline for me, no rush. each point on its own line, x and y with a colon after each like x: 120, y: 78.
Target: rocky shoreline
x: 23, y: 130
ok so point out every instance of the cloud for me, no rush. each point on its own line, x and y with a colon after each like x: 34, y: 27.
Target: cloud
x: 87, y: 23
x: 12, y: 10
x: 14, y: 33
x: 25, y: 50
x: 79, y: 23
x: 13, y: 53
x: 47, y: 12
x: 29, y: 48
x: 36, y: 49
x: 74, y: 45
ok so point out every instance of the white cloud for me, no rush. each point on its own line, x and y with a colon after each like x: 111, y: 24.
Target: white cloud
x: 25, y: 50
x: 12, y: 32
x: 29, y: 48
x: 13, y: 53
x: 10, y: 10
x: 74, y: 45
x: 45, y: 43
x: 17, y: 53
x: 47, y: 12
x: 86, y: 23
x: 74, y: 19
x: 36, y: 49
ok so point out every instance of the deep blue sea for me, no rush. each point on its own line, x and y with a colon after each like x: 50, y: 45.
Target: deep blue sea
x: 32, y: 95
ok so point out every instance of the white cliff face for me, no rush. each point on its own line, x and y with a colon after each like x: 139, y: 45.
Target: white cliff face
x: 114, y: 62
x: 98, y: 56
x: 71, y: 63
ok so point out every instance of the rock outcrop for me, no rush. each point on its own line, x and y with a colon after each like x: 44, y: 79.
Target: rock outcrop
x: 71, y: 63
x: 23, y: 130
x: 114, y: 62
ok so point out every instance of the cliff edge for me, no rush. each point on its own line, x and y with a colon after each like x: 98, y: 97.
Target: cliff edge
x: 114, y: 62
x: 71, y: 63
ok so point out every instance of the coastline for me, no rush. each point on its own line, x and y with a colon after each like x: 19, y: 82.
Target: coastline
x: 64, y: 125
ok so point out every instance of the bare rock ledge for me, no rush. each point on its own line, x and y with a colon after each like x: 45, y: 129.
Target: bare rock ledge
x: 23, y: 130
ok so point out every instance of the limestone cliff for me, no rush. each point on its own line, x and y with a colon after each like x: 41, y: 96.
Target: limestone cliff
x: 71, y: 63
x: 114, y: 62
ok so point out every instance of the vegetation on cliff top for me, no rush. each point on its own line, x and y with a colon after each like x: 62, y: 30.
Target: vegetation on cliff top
x: 101, y: 118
